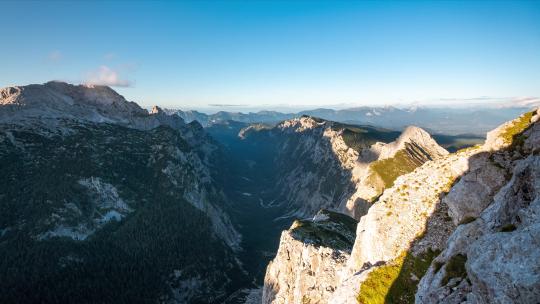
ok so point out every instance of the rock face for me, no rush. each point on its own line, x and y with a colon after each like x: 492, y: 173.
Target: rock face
x: 92, y: 181
x: 328, y: 165
x: 386, y: 162
x: 401, y: 212
x: 496, y: 251
x: 47, y: 103
x: 311, y: 254
x: 460, y: 228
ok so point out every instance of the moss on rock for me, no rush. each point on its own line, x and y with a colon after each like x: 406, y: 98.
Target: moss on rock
x: 397, y: 281
x: 455, y: 268
x: 511, y: 134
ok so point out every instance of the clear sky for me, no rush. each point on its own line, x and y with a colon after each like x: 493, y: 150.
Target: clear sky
x: 198, y: 54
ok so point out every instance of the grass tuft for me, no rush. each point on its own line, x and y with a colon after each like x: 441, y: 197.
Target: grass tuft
x: 455, y: 268
x: 397, y: 281
x: 511, y: 135
x: 391, y: 168
x: 508, y: 228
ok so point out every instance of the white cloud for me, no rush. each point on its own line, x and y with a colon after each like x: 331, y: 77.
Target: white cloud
x: 522, y: 102
x: 106, y: 76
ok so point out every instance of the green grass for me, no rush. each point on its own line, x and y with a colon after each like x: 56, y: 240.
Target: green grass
x: 437, y: 266
x: 510, y: 135
x: 375, y: 288
x: 508, y: 228
x: 393, y: 282
x: 468, y: 149
x: 391, y: 168
x: 455, y: 268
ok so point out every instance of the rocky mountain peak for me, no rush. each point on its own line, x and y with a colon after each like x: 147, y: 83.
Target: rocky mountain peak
x: 9, y: 94
x: 59, y: 98
x: 414, y: 132
x: 415, y: 136
x: 89, y: 93
x: 156, y: 110
x: 301, y: 124
x: 46, y: 103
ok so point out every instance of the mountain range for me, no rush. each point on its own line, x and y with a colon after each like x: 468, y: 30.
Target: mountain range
x: 474, y: 120
x: 103, y: 201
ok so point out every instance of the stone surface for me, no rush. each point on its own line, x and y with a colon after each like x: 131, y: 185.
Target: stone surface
x: 479, y: 206
x: 329, y: 174
x: 45, y: 104
x: 502, y: 244
x: 306, y: 267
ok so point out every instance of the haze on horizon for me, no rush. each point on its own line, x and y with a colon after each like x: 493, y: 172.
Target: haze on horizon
x: 279, y: 55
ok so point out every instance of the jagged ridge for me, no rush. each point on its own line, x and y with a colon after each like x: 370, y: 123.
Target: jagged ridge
x: 458, y: 205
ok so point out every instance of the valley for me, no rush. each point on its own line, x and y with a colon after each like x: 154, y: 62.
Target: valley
x: 146, y: 207
x: 254, y: 169
x: 270, y: 152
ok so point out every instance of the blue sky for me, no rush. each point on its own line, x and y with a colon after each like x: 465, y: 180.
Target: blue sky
x: 274, y: 54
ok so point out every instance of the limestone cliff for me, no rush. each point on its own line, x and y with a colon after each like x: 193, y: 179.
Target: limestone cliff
x: 493, y: 256
x: 328, y: 165
x: 426, y: 212
x: 46, y: 104
x: 311, y: 254
x: 460, y: 228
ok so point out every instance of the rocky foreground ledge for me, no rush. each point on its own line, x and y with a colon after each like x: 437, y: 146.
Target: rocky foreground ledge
x: 311, y: 254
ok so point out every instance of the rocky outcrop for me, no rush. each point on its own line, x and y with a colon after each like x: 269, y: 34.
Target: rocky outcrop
x: 422, y: 227
x: 311, y: 254
x: 381, y: 164
x: 493, y: 257
x: 400, y: 215
x: 410, y: 136
x: 316, y: 166
x: 45, y: 104
x: 460, y: 228
x: 475, y: 190
x: 327, y: 165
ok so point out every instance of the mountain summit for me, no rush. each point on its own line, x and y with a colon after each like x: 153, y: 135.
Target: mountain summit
x: 91, y: 180
x: 90, y: 103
